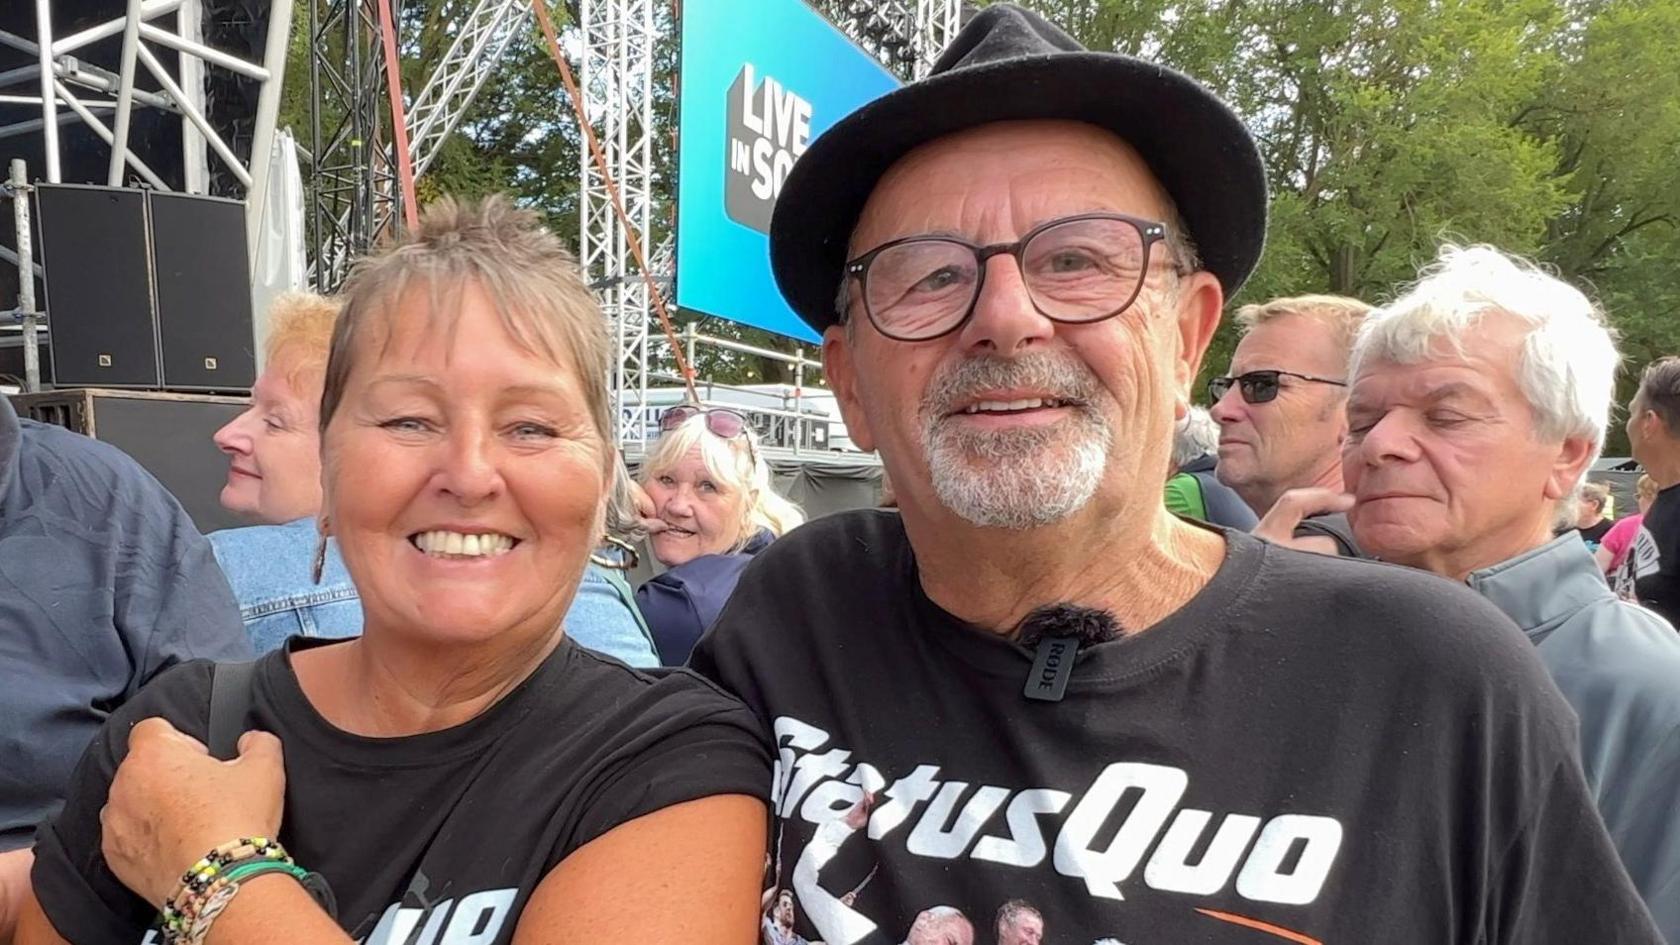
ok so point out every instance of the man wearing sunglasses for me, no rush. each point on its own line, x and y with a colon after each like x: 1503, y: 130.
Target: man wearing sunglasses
x: 1038, y: 683
x: 1281, y: 410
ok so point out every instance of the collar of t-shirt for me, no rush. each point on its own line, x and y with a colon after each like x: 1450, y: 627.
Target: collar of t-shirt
x: 1131, y: 659
x: 430, y: 748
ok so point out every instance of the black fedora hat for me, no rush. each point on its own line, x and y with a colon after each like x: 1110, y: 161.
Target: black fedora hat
x: 1010, y: 64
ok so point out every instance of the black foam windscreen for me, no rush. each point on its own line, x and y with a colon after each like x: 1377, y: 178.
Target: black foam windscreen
x: 1088, y: 625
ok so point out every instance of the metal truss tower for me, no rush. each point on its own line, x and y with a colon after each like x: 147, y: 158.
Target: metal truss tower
x: 352, y: 180
x: 906, y: 35
x: 619, y: 40
x: 354, y: 197
x: 68, y: 87
x: 68, y: 83
x: 937, y: 22
x: 618, y: 52
x: 437, y: 111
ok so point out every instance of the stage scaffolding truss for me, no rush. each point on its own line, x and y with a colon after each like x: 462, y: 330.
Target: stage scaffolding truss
x: 620, y: 62
x: 353, y: 188
x: 68, y: 87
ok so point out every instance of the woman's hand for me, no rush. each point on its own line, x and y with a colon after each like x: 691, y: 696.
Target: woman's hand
x: 1278, y: 526
x: 171, y: 803
x: 645, y: 511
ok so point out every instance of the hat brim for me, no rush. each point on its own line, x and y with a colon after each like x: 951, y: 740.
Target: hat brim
x: 1196, y: 146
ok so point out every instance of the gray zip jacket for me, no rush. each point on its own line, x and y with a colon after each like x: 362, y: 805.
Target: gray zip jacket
x: 1618, y: 664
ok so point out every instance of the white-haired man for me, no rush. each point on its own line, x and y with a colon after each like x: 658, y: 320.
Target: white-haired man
x: 1479, y: 401
x: 1018, y: 923
x: 1058, y: 690
x: 940, y: 925
x: 1281, y: 412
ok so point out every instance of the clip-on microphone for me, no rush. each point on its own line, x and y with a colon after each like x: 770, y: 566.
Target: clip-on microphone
x: 1057, y: 631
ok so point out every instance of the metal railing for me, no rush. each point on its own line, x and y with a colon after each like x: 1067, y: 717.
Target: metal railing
x: 786, y: 433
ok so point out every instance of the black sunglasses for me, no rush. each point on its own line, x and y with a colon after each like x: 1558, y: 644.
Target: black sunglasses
x: 1259, y: 387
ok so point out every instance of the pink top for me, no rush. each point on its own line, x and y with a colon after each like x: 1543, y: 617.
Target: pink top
x: 1620, y: 538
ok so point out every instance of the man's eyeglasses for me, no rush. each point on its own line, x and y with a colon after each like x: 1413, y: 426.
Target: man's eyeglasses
x: 1077, y: 269
x: 1259, y: 387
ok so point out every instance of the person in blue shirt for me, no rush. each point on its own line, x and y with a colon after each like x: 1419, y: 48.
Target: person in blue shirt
x: 104, y: 583
x: 287, y: 580
x: 712, y: 507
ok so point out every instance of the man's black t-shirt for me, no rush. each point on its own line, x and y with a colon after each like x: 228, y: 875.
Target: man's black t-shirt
x: 1312, y: 749
x: 1655, y: 557
x: 437, y: 838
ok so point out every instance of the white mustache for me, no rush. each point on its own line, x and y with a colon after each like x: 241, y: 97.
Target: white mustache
x: 1057, y: 376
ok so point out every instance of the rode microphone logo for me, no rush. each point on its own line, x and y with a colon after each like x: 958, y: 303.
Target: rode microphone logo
x: 769, y: 128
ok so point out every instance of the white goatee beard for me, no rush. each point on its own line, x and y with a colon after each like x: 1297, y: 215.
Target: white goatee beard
x: 1023, y: 478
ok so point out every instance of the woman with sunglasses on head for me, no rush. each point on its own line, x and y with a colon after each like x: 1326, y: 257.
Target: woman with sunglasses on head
x: 713, y: 508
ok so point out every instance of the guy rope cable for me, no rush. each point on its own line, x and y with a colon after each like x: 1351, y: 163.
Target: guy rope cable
x: 399, y: 120
x: 572, y: 92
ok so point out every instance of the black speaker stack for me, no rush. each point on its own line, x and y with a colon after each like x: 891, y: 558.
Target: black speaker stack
x: 145, y: 289
x: 238, y: 27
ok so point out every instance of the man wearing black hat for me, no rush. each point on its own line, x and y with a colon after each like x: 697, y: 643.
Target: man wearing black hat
x: 1038, y: 683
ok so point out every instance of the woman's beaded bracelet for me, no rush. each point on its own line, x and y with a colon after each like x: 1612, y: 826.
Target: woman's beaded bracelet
x: 199, y: 875
x: 207, y: 885
x: 222, y: 890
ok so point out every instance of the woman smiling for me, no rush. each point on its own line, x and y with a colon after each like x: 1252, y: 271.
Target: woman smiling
x: 712, y: 508
x: 461, y: 772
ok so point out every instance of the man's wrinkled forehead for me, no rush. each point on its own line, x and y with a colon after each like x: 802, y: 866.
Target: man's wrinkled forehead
x: 1443, y: 381
x: 1033, y: 170
x: 1291, y: 342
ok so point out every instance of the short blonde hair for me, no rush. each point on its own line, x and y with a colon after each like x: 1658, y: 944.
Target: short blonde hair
x: 739, y: 467
x: 522, y: 268
x: 1596, y: 493
x: 300, y: 329
x: 1342, y: 315
x: 1646, y: 488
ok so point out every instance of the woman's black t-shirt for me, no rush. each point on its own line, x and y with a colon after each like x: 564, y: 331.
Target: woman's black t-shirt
x: 434, y: 839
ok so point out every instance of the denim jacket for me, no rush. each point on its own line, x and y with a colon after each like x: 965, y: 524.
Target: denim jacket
x: 268, y: 566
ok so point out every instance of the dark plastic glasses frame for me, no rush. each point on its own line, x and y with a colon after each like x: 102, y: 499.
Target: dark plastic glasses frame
x: 1249, y: 385
x: 1150, y: 231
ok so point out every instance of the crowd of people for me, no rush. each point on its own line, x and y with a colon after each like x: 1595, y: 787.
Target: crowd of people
x: 1354, y: 653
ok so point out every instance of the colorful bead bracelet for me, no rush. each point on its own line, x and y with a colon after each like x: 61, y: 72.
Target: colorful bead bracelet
x: 210, y: 884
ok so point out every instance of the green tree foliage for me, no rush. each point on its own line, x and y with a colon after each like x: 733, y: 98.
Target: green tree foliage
x: 1545, y: 127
